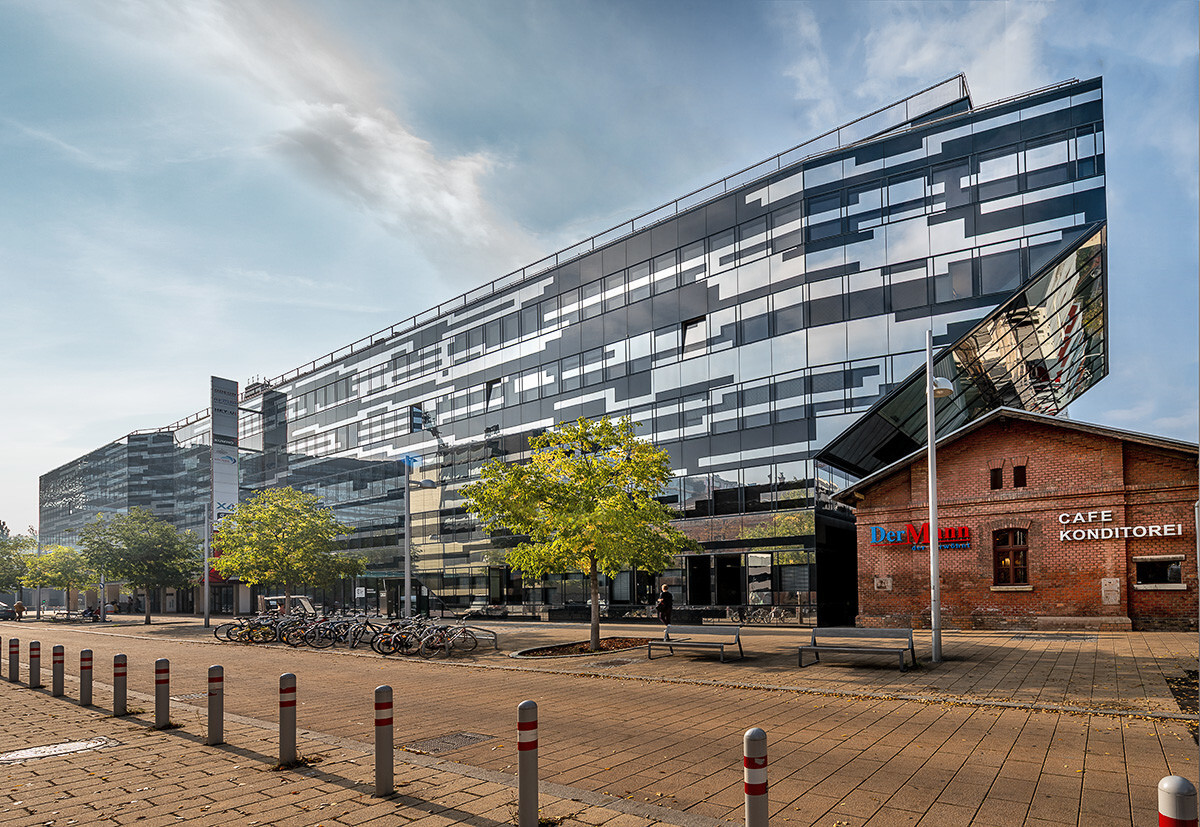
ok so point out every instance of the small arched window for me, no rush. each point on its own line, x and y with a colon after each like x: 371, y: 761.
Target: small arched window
x: 1010, y: 550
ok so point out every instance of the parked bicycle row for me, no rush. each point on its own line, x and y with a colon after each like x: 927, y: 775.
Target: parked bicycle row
x: 418, y: 635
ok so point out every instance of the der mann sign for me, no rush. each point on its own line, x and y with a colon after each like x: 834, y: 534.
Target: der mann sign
x: 948, y: 536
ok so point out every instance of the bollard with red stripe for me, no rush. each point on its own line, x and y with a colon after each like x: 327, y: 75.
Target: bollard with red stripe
x: 754, y: 763
x: 216, y: 706
x: 35, y: 664
x: 527, y: 764
x: 287, y: 719
x: 85, y: 677
x: 14, y: 660
x: 1176, y: 802
x: 57, y: 654
x: 120, y: 665
x: 162, y: 693
x: 384, y: 781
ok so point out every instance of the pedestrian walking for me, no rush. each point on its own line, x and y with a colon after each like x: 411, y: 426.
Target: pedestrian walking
x: 664, y: 605
x: 19, y: 610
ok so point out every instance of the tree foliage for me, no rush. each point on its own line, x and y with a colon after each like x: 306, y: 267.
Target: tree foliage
x: 14, y: 552
x: 142, y: 550
x: 285, y: 536
x: 585, y: 502
x: 59, y: 567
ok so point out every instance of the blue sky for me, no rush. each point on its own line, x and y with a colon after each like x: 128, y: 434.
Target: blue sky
x: 231, y: 187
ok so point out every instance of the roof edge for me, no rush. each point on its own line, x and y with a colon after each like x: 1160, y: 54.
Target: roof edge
x: 1153, y: 440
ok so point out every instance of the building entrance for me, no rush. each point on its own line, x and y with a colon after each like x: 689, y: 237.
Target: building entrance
x: 728, y: 579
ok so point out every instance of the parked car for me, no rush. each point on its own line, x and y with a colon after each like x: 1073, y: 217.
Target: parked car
x: 6, y: 612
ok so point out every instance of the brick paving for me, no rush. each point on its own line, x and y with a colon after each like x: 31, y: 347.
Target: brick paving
x: 1014, y: 728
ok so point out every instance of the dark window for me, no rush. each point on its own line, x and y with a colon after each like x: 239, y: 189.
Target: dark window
x: 955, y: 283
x: 825, y: 311
x: 1159, y: 571
x: 1010, y: 548
x: 1018, y: 476
x: 864, y: 303
x: 492, y: 396
x: 695, y: 335
x: 1000, y: 272
x: 997, y: 478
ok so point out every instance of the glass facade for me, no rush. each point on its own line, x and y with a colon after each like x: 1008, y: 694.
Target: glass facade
x: 744, y: 326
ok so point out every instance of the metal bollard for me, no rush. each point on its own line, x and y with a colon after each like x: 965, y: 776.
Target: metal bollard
x: 85, y: 677
x: 527, y: 764
x: 56, y: 671
x: 216, y: 706
x: 383, y: 742
x: 1176, y: 802
x: 14, y: 660
x: 287, y: 719
x: 120, y: 707
x: 35, y: 664
x: 162, y: 693
x: 754, y: 772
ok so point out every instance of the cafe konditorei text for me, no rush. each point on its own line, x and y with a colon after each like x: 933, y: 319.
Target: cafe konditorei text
x: 1110, y: 532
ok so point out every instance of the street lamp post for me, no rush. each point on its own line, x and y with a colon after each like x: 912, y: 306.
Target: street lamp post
x: 934, y: 389
x: 409, y: 484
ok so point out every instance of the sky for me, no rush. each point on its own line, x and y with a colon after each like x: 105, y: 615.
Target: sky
x: 192, y: 188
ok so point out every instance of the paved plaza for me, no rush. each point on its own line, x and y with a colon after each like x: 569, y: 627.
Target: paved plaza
x: 1013, y: 728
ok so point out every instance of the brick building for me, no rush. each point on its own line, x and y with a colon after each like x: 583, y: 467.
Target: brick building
x: 1045, y: 523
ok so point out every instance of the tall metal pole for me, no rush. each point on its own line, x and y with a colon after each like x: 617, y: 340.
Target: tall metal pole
x: 406, y: 610
x: 935, y: 586
x: 207, y: 541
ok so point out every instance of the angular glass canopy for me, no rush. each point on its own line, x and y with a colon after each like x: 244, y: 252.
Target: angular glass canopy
x: 1037, y: 352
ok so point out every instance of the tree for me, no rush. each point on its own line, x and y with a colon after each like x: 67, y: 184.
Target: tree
x: 285, y: 536
x: 60, y: 567
x: 14, y: 552
x: 142, y: 550
x: 585, y: 502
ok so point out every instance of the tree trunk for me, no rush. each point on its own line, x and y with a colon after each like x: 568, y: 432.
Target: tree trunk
x: 147, y: 622
x: 287, y: 598
x: 594, y: 577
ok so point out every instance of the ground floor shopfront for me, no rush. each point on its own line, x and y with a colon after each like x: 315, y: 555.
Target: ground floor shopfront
x: 1043, y: 523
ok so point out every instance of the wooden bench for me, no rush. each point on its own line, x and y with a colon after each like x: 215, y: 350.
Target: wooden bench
x: 698, y: 637
x: 845, y: 640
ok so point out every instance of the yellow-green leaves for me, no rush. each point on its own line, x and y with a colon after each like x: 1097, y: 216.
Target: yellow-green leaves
x: 584, y: 499
x: 282, y: 536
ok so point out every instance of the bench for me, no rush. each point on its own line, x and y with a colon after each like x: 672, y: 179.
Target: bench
x: 845, y: 640
x: 698, y: 637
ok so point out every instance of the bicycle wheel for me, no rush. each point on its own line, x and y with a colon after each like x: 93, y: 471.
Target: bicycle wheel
x: 319, y: 637
x: 225, y: 631
x: 262, y: 634
x: 465, y: 640
x: 293, y: 635
x: 434, y: 646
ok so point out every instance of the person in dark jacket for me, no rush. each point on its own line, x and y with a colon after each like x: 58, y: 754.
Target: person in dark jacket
x: 664, y: 605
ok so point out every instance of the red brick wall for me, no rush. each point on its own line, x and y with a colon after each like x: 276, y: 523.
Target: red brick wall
x: 1068, y: 472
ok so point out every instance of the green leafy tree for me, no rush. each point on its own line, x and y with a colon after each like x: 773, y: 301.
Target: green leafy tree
x: 14, y: 552
x: 285, y: 536
x: 60, y: 567
x: 584, y: 502
x: 143, y: 551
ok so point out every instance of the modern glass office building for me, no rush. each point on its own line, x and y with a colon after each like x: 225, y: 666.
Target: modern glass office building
x: 746, y: 326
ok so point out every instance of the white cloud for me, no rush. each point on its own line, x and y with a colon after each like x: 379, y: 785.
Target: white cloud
x: 328, y: 118
x: 997, y: 44
x: 809, y: 68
